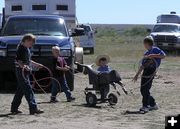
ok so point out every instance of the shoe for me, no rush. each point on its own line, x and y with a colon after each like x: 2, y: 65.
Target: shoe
x: 71, y: 99
x: 155, y: 107
x: 144, y: 110
x: 16, y: 112
x: 37, y: 111
x: 54, y: 101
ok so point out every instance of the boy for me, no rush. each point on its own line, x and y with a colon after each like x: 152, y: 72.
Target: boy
x: 151, y: 61
x: 24, y: 88
x: 102, y: 61
x: 59, y: 68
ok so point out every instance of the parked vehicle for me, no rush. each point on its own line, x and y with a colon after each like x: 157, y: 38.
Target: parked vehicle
x: 169, y: 18
x: 167, y: 36
x: 87, y: 41
x: 166, y: 33
x: 22, y: 17
x: 64, y: 8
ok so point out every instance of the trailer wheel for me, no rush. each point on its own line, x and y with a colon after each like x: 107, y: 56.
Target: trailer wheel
x: 91, y: 99
x: 112, y: 99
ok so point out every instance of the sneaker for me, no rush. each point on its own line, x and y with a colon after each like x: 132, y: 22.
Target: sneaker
x: 144, y: 110
x: 37, y: 111
x: 54, y: 101
x: 71, y: 99
x: 16, y: 112
x: 155, y: 107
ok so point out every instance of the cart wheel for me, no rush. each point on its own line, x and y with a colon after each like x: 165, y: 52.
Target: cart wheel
x: 91, y: 99
x: 112, y: 99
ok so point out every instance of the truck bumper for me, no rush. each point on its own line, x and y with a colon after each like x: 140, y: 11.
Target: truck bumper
x: 7, y: 67
x: 169, y: 46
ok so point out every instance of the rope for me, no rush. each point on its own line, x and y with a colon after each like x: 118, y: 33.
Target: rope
x: 150, y: 77
x: 36, y: 81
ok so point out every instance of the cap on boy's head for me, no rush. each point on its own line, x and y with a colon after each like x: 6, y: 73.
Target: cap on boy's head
x: 149, y: 40
x: 29, y: 37
x: 102, y: 58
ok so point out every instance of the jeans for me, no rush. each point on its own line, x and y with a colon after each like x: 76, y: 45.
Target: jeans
x: 104, y: 90
x: 146, y: 84
x: 64, y: 87
x: 24, y: 88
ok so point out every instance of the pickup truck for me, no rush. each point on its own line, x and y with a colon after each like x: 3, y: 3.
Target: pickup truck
x: 167, y: 36
x: 87, y: 41
x: 50, y: 30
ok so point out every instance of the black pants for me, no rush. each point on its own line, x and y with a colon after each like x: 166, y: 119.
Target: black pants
x: 104, y: 90
x: 146, y: 84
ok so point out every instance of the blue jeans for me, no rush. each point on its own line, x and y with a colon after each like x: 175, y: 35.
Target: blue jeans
x: 64, y: 87
x: 24, y: 88
x: 146, y: 84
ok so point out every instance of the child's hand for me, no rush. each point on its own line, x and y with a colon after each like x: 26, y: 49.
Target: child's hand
x: 135, y: 78
x: 40, y: 66
x: 27, y: 68
x: 67, y: 67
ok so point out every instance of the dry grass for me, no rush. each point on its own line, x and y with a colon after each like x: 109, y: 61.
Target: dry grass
x: 124, y: 52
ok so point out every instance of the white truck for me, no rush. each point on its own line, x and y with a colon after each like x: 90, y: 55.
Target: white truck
x: 47, y: 20
x: 87, y: 41
x: 166, y: 33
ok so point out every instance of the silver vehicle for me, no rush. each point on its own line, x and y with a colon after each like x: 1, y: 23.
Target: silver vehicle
x: 87, y: 41
x: 167, y: 36
x: 169, y: 18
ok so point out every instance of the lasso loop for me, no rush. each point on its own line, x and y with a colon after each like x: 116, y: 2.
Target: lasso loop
x: 35, y: 82
x: 146, y: 63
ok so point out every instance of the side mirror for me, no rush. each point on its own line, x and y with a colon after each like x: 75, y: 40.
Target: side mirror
x: 149, y: 30
x: 77, y: 32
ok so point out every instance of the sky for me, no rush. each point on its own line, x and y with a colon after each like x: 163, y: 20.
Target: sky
x: 122, y: 11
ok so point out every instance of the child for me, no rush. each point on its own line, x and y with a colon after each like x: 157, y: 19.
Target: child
x: 24, y: 88
x: 153, y: 54
x: 102, y: 61
x: 59, y: 69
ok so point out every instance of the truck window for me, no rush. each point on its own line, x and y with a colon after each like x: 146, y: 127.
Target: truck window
x: 38, y: 7
x: 16, y: 8
x: 62, y: 7
x: 38, y: 26
x: 166, y: 28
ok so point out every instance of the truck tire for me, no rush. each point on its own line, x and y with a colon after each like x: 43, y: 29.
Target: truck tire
x: 70, y: 80
x: 79, y: 54
x: 1, y: 81
x: 91, y: 50
x: 80, y: 68
x: 8, y: 81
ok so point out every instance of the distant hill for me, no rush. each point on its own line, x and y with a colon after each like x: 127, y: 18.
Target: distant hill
x: 121, y: 27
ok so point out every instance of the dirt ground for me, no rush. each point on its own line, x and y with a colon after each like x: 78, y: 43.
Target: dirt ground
x: 77, y: 115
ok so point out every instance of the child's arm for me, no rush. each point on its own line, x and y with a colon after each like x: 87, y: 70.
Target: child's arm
x: 21, y: 65
x: 36, y: 64
x: 66, y: 66
x: 138, y: 73
x: 156, y: 56
x: 62, y: 69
